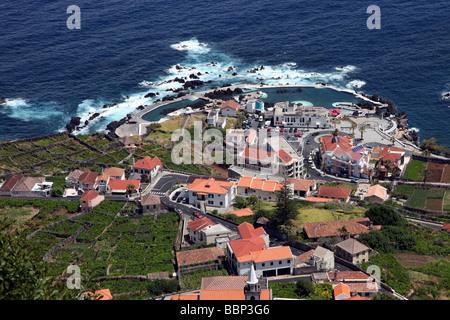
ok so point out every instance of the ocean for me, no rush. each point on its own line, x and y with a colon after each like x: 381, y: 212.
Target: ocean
x: 127, y: 49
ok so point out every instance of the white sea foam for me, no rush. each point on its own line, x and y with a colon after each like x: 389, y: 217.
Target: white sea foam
x: 414, y: 129
x: 25, y: 110
x: 355, y: 84
x: 192, y: 45
x: 207, y: 64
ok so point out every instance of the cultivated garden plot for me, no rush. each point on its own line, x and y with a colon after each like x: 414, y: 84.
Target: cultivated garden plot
x: 59, y: 152
x: 427, y: 172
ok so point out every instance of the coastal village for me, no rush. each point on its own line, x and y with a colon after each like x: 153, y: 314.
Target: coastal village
x: 367, y: 206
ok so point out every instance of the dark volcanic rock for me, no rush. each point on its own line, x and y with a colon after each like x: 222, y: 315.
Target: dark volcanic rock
x: 74, y: 122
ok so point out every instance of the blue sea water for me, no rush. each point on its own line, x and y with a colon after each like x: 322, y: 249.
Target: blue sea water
x: 126, y: 49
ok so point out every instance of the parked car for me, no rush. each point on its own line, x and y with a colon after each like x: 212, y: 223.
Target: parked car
x: 308, y: 142
x: 354, y: 181
x: 198, y: 215
x: 315, y: 134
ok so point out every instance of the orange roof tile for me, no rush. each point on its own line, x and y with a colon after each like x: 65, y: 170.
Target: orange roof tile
x: 199, y: 224
x: 88, y: 177
x: 196, y: 256
x: 147, y: 163
x: 244, y: 246
x: 334, y: 192
x: 248, y: 231
x: 331, y: 143
x: 189, y: 296
x: 378, y: 191
x: 230, y: 103
x: 241, y: 212
x: 301, y: 184
x: 245, y: 181
x: 331, y: 228
x: 89, y: 195
x: 341, y: 288
x: 227, y: 288
x: 318, y: 199
x: 268, y: 254
x: 123, y: 184
x: 210, y: 185
x: 283, y: 155
x: 114, y: 172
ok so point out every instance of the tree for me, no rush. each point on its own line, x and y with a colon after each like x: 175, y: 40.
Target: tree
x: 335, y: 132
x: 382, y: 215
x: 285, y: 207
x: 343, y: 233
x: 131, y: 188
x: 304, y: 288
x: 362, y: 129
x: 239, y: 202
x: 354, y: 126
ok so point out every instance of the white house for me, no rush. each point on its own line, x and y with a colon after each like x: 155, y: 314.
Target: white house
x: 213, y: 119
x: 211, y: 192
x: 148, y: 166
x: 291, y: 115
x: 273, y: 261
x: 229, y: 108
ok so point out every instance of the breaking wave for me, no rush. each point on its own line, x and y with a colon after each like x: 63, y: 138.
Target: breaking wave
x: 205, y: 63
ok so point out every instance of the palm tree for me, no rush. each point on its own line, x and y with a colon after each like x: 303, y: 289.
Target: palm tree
x: 354, y: 125
x: 392, y: 138
x: 131, y: 188
x: 335, y: 132
x: 370, y: 171
x: 307, y: 124
x: 362, y: 129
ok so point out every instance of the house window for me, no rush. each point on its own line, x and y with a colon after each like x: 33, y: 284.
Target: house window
x: 263, y: 264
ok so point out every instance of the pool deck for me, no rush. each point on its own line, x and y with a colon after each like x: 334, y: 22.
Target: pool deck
x: 136, y: 125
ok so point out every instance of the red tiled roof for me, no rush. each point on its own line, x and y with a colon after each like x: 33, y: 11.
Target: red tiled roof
x: 11, y: 182
x: 88, y: 177
x: 230, y: 103
x: 199, y: 224
x: 331, y: 143
x: 241, y: 212
x: 267, y: 254
x: 190, y: 257
x: 318, y: 199
x: 334, y: 192
x: 242, y: 247
x: 227, y: 288
x: 248, y: 231
x: 391, y: 153
x: 210, y: 185
x: 89, y: 195
x: 283, y: 155
x: 341, y: 288
x: 123, y: 184
x: 331, y: 228
x: 260, y: 184
x: 147, y: 163
x: 301, y: 184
